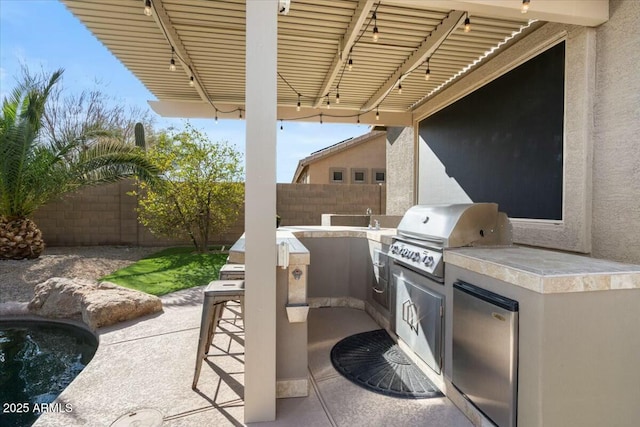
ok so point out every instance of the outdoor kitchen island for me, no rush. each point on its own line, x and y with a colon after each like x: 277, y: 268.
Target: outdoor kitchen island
x: 291, y: 314
x: 579, y: 339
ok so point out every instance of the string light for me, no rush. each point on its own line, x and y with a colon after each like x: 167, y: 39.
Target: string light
x: 240, y: 113
x: 467, y: 27
x: 147, y: 8
x: 467, y: 24
x: 172, y: 63
x: 191, y: 82
x: 375, y: 27
x: 525, y: 6
x: 281, y: 127
x: 216, y: 119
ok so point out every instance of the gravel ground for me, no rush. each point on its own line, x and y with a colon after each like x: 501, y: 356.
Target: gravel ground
x: 18, y: 278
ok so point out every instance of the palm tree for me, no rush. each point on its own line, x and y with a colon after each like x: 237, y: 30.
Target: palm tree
x: 33, y: 172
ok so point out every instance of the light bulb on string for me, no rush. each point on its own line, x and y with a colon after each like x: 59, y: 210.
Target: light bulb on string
x: 192, y: 83
x: 350, y: 64
x: 298, y: 105
x: 172, y: 63
x: 427, y: 74
x: 375, y: 28
x: 525, y: 6
x: 377, y: 114
x: 399, y: 88
x: 147, y: 8
x: 328, y: 102
x: 320, y: 118
x: 216, y: 117
x: 467, y: 24
x: 337, y: 95
x: 281, y: 127
x: 358, y: 119
x: 240, y: 113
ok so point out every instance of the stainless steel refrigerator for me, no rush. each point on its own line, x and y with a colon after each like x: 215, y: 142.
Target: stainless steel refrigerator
x: 485, y: 351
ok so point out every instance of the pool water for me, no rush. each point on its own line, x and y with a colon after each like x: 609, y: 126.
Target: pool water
x: 37, y: 361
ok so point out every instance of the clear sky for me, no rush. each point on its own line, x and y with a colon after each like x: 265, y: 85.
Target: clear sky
x: 43, y: 34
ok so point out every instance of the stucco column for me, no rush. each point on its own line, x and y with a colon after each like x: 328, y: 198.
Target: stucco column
x: 260, y: 212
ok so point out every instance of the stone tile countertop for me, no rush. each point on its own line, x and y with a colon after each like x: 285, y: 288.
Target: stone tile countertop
x: 298, y: 253
x: 546, y: 271
x: 382, y: 235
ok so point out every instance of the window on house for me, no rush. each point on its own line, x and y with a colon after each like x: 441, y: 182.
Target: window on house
x: 379, y: 176
x: 336, y: 175
x: 359, y: 176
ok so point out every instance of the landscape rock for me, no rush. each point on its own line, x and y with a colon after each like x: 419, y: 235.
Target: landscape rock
x: 96, y: 304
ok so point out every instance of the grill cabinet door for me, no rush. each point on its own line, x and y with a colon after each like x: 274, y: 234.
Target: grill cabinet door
x: 418, y: 319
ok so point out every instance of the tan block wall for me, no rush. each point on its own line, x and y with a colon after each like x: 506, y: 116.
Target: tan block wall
x: 93, y: 216
x: 105, y: 215
x: 304, y: 204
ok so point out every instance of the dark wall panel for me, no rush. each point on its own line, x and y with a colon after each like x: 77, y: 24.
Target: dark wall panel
x: 503, y: 143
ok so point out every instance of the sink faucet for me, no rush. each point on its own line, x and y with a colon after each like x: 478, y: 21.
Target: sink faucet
x: 376, y: 224
x: 368, y: 212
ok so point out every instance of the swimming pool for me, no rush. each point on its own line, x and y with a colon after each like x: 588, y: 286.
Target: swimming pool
x: 38, y: 360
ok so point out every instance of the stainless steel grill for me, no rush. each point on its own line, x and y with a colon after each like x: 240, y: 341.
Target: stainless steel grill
x: 417, y: 267
x: 426, y: 230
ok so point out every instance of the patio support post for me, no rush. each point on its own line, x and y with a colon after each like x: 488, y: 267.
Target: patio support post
x: 260, y: 211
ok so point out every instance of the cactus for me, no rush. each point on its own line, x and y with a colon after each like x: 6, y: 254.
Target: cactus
x: 139, y: 133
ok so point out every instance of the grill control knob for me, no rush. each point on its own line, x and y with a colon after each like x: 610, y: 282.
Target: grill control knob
x: 428, y: 260
x: 415, y: 257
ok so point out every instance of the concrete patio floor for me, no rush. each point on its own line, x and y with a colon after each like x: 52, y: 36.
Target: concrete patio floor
x: 149, y: 363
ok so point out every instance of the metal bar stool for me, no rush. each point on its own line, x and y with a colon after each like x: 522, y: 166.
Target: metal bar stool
x: 233, y: 272
x: 216, y: 295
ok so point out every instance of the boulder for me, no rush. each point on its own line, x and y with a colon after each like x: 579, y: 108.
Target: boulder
x: 96, y: 304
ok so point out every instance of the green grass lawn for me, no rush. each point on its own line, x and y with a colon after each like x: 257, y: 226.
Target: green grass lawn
x: 169, y: 270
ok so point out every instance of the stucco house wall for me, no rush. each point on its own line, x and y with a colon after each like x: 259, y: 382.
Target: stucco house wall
x: 368, y: 155
x: 400, y: 177
x: 616, y: 144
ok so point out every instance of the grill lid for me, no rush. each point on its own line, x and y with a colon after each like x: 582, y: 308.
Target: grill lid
x: 456, y: 225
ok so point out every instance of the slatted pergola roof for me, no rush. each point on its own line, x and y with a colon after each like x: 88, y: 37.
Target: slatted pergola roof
x: 316, y: 40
